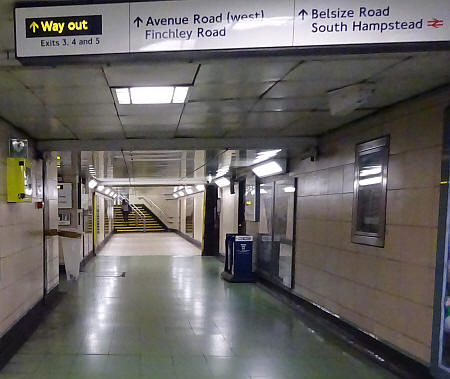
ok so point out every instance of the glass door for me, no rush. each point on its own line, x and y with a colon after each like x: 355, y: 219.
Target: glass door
x: 283, y: 229
x: 265, y: 232
x: 275, y: 243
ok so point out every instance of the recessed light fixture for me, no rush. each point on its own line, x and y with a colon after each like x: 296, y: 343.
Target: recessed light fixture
x: 179, y: 95
x: 152, y: 95
x: 181, y: 193
x: 175, y: 195
x: 107, y: 191
x: 200, y: 187
x: 268, y: 169
x: 289, y: 189
x: 123, y: 95
x: 265, y: 155
x: 222, y: 182
x: 100, y: 188
x: 92, y: 184
x: 189, y: 190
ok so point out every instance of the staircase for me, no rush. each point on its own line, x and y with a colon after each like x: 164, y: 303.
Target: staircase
x: 153, y: 224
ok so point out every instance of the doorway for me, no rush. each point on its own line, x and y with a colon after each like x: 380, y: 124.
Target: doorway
x: 276, y: 234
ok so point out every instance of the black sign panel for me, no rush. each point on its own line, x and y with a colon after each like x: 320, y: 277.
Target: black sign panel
x: 63, y: 26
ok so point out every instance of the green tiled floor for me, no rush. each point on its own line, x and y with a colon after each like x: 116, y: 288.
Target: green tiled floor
x: 172, y: 317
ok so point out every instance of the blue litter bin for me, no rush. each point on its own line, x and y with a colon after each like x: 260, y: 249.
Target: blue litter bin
x: 238, y: 259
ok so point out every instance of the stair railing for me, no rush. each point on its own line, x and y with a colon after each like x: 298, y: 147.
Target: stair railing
x: 158, y: 211
x: 139, y: 214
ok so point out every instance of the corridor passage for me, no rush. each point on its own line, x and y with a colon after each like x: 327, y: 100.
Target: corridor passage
x: 145, y: 244
x: 173, y: 317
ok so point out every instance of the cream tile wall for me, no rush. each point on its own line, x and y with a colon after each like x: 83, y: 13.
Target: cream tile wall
x: 385, y: 291
x: 228, y: 215
x: 51, y: 203
x: 21, y: 249
x: 198, y: 216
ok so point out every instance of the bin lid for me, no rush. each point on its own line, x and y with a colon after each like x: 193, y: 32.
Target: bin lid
x: 67, y: 234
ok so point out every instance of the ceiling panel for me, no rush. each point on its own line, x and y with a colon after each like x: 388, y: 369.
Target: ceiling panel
x: 69, y: 110
x: 45, y: 127
x: 346, y: 71
x: 310, y: 88
x: 291, y: 104
x: 205, y: 92
x: 389, y: 91
x: 245, y: 70
x: 314, y: 123
x: 19, y: 99
x: 99, y: 132
x: 200, y: 130
x: 6, y: 34
x: 219, y: 106
x: 151, y: 111
x: 75, y: 95
x: 35, y: 77
x: 91, y: 121
x: 435, y: 64
x: 8, y: 82
x: 162, y: 74
x: 272, y: 120
x: 169, y: 119
x: 154, y: 131
x: 211, y: 118
x: 240, y: 132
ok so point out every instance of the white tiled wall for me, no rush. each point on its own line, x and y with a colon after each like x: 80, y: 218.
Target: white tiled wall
x: 51, y: 203
x: 389, y: 291
x: 21, y: 249
x: 228, y: 215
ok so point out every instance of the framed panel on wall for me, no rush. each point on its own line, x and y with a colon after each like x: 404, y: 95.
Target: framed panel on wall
x: 369, y: 196
x: 252, y: 198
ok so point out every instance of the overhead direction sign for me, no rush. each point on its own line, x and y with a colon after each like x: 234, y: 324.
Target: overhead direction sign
x: 63, y: 26
x: 192, y: 25
x: 72, y: 30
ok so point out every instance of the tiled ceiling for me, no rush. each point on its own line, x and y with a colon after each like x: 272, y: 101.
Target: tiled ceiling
x: 260, y: 97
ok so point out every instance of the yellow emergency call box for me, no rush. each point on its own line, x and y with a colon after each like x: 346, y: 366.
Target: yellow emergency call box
x: 19, y: 180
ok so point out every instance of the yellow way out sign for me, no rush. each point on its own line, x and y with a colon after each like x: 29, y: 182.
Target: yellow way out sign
x: 63, y: 26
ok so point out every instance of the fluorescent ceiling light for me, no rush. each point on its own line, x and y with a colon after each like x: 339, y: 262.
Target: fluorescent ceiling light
x: 175, y: 189
x: 100, y: 188
x: 107, y: 191
x: 123, y: 96
x: 189, y: 190
x: 370, y: 181
x: 268, y: 169
x: 262, y: 190
x: 175, y: 195
x: 180, y: 94
x: 222, y: 182
x: 200, y: 187
x: 265, y: 155
x: 181, y: 193
x: 289, y: 189
x: 151, y: 95
x: 92, y: 184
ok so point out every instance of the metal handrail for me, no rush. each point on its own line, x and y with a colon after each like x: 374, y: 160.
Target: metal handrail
x: 139, y: 214
x: 151, y: 203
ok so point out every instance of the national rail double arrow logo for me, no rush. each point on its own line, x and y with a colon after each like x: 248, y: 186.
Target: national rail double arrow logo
x: 435, y: 23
